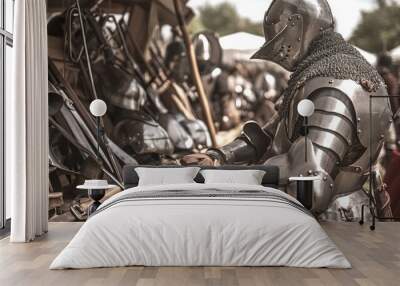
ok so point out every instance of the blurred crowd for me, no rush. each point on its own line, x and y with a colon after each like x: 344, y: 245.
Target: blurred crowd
x: 237, y: 90
x: 390, y: 157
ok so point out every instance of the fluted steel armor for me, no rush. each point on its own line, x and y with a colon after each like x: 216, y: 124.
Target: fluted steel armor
x: 339, y: 147
x: 339, y: 81
x: 339, y: 138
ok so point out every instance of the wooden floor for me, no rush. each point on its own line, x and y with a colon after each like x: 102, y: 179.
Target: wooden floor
x: 375, y: 257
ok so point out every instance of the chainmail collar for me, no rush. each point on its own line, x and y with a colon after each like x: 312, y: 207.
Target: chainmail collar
x: 331, y: 56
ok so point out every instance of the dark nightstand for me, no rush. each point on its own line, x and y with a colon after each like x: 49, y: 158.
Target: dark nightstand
x: 305, y: 188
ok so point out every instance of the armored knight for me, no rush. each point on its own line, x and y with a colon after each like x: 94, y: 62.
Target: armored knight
x: 330, y: 72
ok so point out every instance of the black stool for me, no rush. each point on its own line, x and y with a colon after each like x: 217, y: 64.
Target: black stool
x: 305, y: 188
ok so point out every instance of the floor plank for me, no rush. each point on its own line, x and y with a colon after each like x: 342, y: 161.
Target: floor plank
x: 375, y: 257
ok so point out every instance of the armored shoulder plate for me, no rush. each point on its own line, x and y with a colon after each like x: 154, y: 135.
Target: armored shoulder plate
x: 345, y: 134
x: 354, y: 105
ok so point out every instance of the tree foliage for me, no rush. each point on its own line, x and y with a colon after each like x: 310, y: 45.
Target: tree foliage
x: 379, y: 30
x: 224, y: 19
x: 196, y: 26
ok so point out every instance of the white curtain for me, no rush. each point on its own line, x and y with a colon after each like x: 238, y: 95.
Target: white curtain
x: 27, y: 124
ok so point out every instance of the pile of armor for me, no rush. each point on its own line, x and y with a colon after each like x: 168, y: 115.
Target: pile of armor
x: 118, y: 52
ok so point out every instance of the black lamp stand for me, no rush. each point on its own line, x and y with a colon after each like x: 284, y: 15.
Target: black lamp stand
x: 372, y: 203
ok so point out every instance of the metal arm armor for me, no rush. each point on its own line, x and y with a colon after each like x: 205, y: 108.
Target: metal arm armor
x: 331, y: 136
x: 333, y: 130
x: 341, y: 138
x: 248, y: 148
x: 333, y: 133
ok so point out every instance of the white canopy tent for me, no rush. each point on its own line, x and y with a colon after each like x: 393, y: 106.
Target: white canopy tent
x: 395, y: 53
x: 240, y: 46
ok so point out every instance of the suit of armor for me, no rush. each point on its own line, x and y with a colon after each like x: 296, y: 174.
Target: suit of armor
x: 329, y: 72
x: 339, y: 147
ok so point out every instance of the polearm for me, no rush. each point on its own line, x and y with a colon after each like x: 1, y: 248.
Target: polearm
x: 195, y: 72
x: 161, y: 79
x: 163, y: 71
x: 58, y: 80
x: 156, y: 77
x: 116, y: 166
x: 167, y: 84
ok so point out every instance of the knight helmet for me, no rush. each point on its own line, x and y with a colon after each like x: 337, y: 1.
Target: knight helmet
x: 289, y: 28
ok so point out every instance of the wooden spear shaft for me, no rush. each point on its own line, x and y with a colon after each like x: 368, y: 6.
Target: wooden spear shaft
x: 195, y: 72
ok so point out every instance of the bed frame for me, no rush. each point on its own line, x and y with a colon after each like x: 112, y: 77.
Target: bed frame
x: 271, y: 178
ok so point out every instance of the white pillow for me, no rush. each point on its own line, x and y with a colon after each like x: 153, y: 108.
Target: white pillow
x: 166, y: 176
x: 242, y: 177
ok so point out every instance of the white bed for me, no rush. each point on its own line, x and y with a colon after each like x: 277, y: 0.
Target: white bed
x: 201, y: 225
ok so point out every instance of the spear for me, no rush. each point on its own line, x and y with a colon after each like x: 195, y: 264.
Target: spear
x: 195, y: 72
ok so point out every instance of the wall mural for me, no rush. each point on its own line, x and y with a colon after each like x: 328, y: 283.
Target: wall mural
x: 171, y: 99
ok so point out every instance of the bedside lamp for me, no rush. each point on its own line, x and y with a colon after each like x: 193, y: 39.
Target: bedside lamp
x: 306, y: 109
x: 96, y: 188
x: 98, y: 108
x: 305, y: 185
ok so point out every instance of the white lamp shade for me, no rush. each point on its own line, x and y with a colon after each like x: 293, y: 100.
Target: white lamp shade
x: 306, y: 108
x: 98, y: 107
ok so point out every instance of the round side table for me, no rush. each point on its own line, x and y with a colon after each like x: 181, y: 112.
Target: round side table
x: 96, y: 190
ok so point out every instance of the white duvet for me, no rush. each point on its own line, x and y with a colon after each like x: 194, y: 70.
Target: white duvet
x: 186, y: 230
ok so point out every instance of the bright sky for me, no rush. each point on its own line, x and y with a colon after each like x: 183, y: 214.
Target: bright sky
x: 346, y: 12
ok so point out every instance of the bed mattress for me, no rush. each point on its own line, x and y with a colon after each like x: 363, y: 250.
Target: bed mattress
x: 201, y: 225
